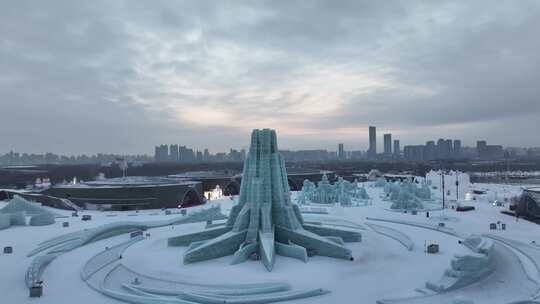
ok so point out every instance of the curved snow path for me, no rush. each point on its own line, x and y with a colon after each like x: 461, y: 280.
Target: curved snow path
x: 104, y: 258
x: 531, y: 252
x: 332, y: 221
x: 105, y: 274
x: 120, y: 275
x: 80, y: 238
x: 445, y: 229
x: 501, y: 287
x: 508, y: 279
x: 59, y: 245
x: 397, y: 235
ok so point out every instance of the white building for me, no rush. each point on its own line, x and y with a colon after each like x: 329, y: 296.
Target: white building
x: 456, y: 184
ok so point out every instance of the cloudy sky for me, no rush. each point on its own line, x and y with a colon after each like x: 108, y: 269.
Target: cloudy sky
x: 123, y: 76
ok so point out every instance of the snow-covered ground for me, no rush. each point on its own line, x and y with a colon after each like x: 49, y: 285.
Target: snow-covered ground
x: 383, y: 268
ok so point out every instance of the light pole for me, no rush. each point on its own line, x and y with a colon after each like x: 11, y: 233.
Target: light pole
x: 507, y: 156
x: 442, y: 187
x: 457, y: 187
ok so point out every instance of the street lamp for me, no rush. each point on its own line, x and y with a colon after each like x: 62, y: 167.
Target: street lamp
x: 457, y: 186
x: 442, y: 187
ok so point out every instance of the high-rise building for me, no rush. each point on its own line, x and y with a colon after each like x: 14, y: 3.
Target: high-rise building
x: 173, y: 154
x: 430, y: 152
x: 186, y: 154
x: 372, y: 151
x: 457, y: 148
x: 442, y: 149
x: 397, y: 150
x: 235, y: 155
x: 414, y: 153
x: 161, y: 153
x: 481, y: 148
x: 449, y: 149
x: 341, y: 152
x: 387, y: 145
x: 486, y: 151
x: 357, y: 155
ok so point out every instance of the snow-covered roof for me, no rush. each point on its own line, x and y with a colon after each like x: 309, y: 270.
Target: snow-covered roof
x: 204, y: 174
x: 534, y: 189
x: 129, y: 181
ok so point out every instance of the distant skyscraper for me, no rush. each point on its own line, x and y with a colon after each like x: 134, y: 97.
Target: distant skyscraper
x: 430, y: 150
x: 441, y: 149
x: 341, y: 152
x: 161, y: 153
x: 486, y: 151
x: 186, y: 155
x: 387, y: 145
x: 372, y: 152
x: 481, y: 148
x: 414, y: 153
x: 235, y: 155
x: 173, y: 154
x: 457, y: 148
x: 397, y: 149
x: 449, y: 149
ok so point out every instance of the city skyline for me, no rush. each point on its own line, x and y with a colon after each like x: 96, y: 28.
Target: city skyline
x: 121, y: 77
x: 391, y: 150
x: 440, y: 150
x: 335, y: 148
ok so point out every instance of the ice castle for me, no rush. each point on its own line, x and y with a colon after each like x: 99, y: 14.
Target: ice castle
x: 264, y: 222
x: 407, y: 195
x: 341, y: 192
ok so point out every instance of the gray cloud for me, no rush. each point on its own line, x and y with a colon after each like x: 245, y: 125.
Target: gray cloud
x: 121, y: 76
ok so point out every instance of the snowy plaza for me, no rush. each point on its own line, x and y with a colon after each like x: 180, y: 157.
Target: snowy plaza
x: 254, y: 152
x: 376, y: 241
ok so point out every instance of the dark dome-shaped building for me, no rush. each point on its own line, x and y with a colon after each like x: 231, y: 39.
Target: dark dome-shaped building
x: 131, y: 193
x: 528, y: 204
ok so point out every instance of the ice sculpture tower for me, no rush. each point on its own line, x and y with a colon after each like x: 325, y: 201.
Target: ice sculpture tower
x: 265, y: 222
